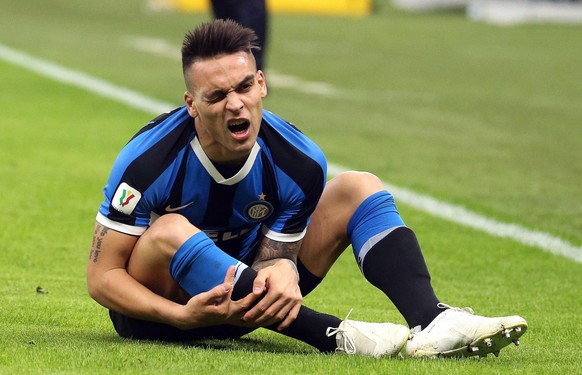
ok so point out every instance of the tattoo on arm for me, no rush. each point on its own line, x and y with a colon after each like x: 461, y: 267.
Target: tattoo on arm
x: 272, y: 251
x: 98, y: 235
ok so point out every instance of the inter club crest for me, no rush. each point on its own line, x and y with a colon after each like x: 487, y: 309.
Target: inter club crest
x: 259, y: 210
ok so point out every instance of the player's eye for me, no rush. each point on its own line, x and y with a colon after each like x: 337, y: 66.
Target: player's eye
x: 245, y: 87
x: 215, y: 98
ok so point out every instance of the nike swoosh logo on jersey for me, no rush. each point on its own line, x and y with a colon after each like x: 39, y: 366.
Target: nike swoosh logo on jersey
x: 174, y: 209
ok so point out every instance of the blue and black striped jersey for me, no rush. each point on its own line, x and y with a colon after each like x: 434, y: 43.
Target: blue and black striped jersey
x: 163, y: 169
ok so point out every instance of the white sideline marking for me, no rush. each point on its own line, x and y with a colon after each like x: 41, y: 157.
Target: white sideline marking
x: 84, y: 81
x: 447, y: 211
x: 461, y: 215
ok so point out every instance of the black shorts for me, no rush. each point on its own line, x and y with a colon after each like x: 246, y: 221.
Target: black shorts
x: 138, y: 329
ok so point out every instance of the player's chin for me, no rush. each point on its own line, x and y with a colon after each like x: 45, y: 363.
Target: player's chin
x: 243, y: 148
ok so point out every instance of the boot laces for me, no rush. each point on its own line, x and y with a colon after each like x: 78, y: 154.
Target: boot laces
x: 461, y: 309
x: 344, y: 341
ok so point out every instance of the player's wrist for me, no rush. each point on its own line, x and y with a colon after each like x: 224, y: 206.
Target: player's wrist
x: 177, y: 315
x: 294, y: 267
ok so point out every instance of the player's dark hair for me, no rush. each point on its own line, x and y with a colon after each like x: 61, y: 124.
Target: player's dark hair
x: 215, y: 38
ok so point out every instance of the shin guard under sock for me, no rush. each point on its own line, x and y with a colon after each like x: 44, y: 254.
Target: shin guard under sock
x: 396, y: 266
x: 199, y: 265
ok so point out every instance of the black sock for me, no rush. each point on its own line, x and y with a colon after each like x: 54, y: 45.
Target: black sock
x: 396, y: 266
x: 310, y: 326
x: 307, y: 280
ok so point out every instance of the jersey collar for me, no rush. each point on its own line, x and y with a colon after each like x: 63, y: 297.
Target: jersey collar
x: 215, y: 174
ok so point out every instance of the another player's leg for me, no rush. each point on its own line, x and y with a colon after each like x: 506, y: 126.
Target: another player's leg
x: 252, y: 14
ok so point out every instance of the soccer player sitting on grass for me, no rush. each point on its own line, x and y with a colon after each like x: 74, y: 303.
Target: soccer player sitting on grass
x: 217, y: 220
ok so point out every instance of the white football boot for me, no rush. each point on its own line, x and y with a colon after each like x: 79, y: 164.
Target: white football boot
x: 458, y: 332
x: 372, y: 339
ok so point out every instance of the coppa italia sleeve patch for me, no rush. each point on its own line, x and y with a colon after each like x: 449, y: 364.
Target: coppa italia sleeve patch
x: 125, y: 199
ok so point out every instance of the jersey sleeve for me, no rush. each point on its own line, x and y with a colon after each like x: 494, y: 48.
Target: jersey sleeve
x: 125, y: 207
x: 301, y: 170
x: 143, y: 173
x: 291, y: 223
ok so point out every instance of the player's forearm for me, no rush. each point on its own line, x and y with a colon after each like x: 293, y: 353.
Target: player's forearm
x: 272, y: 252
x: 118, y: 291
x: 267, y: 263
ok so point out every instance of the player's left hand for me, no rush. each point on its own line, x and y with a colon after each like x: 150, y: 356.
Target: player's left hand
x: 282, y: 300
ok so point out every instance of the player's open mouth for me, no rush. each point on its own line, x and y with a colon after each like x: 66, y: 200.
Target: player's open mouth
x: 239, y: 128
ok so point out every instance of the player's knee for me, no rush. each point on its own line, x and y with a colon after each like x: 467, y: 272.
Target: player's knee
x: 170, y: 231
x: 358, y: 185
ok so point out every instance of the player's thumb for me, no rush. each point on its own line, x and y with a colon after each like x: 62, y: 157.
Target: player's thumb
x: 259, y: 285
x: 222, y: 291
x: 229, y: 277
x: 218, y: 294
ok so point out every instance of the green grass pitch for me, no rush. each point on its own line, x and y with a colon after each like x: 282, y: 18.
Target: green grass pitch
x: 481, y: 116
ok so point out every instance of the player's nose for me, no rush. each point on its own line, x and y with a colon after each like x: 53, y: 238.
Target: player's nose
x: 234, y: 102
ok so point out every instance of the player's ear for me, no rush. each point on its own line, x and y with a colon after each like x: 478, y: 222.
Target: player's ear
x: 262, y: 83
x: 189, y: 100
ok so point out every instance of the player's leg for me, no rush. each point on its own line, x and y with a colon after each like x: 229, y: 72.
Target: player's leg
x: 174, y: 259
x: 149, y: 264
x: 355, y: 207
x: 195, y: 265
